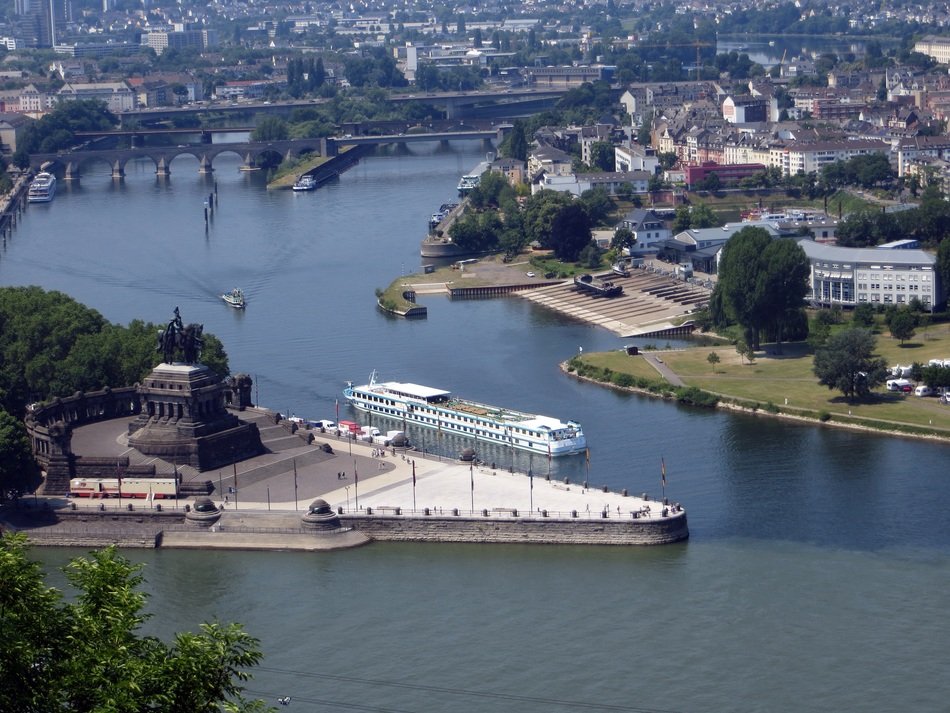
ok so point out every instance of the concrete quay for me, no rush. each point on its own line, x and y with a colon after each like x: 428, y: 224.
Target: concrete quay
x: 377, y: 494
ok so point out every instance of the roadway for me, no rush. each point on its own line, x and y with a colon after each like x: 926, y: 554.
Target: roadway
x: 456, y: 99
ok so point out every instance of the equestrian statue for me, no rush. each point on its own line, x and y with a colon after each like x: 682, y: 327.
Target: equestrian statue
x: 178, y: 338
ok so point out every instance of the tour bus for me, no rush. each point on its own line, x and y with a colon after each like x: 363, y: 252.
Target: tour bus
x: 150, y: 488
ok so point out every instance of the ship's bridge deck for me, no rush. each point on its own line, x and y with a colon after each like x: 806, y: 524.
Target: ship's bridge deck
x: 415, y: 391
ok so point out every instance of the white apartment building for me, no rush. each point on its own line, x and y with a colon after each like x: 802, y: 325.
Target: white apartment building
x: 118, y: 96
x: 936, y: 47
x: 635, y: 158
x: 34, y: 101
x: 798, y: 158
x: 917, y: 147
x: 852, y: 276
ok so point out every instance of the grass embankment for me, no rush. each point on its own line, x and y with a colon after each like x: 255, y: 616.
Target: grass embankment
x: 772, y: 378
x: 729, y: 204
x: 290, y: 170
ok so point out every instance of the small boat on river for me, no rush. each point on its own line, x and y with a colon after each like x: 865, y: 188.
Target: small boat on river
x: 235, y: 298
x: 305, y: 183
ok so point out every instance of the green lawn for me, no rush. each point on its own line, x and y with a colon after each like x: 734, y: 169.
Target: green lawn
x: 774, y: 378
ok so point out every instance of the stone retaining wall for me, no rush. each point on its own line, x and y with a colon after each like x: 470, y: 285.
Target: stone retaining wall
x: 138, y: 529
x: 520, y: 531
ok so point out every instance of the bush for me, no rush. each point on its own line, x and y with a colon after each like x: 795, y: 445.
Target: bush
x: 695, y: 397
x: 824, y: 416
x: 624, y: 380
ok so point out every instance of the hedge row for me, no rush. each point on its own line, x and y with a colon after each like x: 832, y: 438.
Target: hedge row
x: 684, y: 394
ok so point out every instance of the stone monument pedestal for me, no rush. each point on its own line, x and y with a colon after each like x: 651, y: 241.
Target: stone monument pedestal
x: 183, y: 419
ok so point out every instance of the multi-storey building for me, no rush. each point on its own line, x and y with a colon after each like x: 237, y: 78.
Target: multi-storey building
x: 800, y: 157
x: 852, y: 276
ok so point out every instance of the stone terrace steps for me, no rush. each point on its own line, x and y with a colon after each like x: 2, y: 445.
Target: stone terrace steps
x: 648, y: 298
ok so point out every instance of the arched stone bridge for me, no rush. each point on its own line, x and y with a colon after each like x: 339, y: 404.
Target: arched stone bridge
x: 71, y: 163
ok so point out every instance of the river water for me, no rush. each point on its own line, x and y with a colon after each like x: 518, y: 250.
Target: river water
x: 817, y: 571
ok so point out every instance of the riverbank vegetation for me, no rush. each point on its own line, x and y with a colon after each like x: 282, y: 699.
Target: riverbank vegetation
x: 51, y: 345
x: 86, y: 651
x: 786, y: 383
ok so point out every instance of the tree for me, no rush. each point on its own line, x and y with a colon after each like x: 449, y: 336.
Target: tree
x: 784, y: 283
x: 17, y: 467
x: 863, y: 315
x: 598, y: 205
x: 270, y: 128
x: 602, y: 155
x: 943, y: 261
x: 570, y: 232
x: 902, y: 325
x: 713, y: 360
x: 518, y: 142
x: 739, y: 281
x: 623, y: 238
x: 847, y: 362
x: 701, y: 216
x: 88, y: 655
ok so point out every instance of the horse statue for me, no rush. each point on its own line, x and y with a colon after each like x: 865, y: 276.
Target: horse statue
x: 192, y: 342
x: 176, y: 337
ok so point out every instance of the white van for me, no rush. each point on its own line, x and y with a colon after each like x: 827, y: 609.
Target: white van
x: 923, y: 390
x: 897, y: 384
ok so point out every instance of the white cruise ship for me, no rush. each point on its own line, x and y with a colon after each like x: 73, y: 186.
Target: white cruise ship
x: 42, y: 188
x: 440, y: 410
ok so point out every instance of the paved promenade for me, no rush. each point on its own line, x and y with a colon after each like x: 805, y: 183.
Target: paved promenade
x: 359, y: 475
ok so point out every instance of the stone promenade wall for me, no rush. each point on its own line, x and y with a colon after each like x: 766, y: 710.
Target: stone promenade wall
x: 520, y: 531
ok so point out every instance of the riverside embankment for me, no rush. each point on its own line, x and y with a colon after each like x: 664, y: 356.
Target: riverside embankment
x: 382, y: 494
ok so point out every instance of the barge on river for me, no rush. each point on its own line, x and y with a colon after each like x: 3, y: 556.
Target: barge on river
x: 438, y: 409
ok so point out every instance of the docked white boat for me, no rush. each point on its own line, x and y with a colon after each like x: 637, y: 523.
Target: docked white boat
x: 438, y: 409
x: 42, y: 188
x: 305, y: 183
x: 235, y: 298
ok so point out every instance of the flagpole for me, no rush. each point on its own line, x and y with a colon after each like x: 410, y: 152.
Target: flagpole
x: 413, y: 485
x: 234, y: 467
x: 663, y: 476
x: 531, y: 489
x: 356, y: 485
x: 587, y: 479
x: 471, y: 471
x: 295, y: 485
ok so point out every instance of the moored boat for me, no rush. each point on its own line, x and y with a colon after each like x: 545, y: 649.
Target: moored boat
x: 440, y: 410
x: 235, y: 298
x: 42, y: 188
x: 597, y: 286
x: 305, y: 183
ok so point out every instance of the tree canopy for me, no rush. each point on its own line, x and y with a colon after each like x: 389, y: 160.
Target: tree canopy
x: 87, y: 654
x: 762, y: 284
x: 847, y: 362
x: 51, y: 345
x: 57, y: 130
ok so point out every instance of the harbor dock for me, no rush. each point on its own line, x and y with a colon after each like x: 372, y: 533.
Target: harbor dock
x: 376, y: 494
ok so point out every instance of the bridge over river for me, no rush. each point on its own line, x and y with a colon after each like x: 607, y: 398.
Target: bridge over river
x: 71, y: 163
